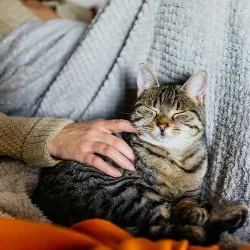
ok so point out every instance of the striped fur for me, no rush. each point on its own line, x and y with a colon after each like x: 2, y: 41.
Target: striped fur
x: 159, y: 199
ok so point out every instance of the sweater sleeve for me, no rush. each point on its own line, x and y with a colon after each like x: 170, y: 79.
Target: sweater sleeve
x: 28, y: 139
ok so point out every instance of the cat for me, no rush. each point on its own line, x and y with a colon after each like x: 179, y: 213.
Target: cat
x: 160, y: 199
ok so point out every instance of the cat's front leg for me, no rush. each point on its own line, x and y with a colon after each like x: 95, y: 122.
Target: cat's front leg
x: 190, y: 212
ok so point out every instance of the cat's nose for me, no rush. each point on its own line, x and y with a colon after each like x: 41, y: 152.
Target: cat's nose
x: 162, y: 127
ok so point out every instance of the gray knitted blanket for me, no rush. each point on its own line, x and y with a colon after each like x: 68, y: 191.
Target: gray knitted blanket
x: 62, y: 69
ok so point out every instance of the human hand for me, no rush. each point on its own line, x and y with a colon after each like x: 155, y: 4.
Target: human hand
x: 80, y: 142
x: 40, y: 10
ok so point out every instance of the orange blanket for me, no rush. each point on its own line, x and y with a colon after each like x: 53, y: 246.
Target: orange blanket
x: 92, y: 235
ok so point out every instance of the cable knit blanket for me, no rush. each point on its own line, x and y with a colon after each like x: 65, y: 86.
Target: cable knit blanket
x: 62, y: 69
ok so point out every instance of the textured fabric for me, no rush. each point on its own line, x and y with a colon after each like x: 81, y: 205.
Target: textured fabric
x: 25, y: 139
x: 92, y: 235
x: 31, y: 58
x: 17, y: 182
x: 28, y: 139
x: 36, y: 145
x: 92, y: 73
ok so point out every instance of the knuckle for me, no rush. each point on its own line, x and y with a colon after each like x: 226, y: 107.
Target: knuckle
x: 107, y: 150
x: 120, y: 122
x: 90, y: 133
x: 81, y: 149
x: 117, y: 142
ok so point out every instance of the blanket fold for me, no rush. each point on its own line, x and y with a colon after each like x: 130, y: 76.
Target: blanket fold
x: 92, y: 235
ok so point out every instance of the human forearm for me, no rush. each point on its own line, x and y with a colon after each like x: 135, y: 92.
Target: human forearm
x: 28, y: 139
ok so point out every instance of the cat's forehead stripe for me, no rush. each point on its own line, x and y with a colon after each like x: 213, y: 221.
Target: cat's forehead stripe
x: 167, y: 97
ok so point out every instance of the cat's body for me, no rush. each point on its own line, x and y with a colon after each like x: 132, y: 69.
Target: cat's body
x: 160, y: 198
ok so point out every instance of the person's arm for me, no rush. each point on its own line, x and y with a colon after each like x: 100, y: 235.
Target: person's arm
x: 28, y: 139
x: 36, y: 140
x: 83, y: 141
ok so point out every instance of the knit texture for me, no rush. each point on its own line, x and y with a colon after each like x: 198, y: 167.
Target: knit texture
x: 92, y: 73
x: 29, y: 139
x: 25, y: 139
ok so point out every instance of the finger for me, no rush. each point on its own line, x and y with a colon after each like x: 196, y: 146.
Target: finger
x: 118, y: 144
x: 113, y: 154
x: 100, y: 164
x: 116, y: 126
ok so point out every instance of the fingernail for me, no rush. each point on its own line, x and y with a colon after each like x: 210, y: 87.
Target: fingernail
x: 136, y: 129
x: 131, y: 167
x: 133, y: 159
x: 116, y: 173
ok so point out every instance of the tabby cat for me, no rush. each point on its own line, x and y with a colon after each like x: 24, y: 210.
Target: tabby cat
x: 160, y: 199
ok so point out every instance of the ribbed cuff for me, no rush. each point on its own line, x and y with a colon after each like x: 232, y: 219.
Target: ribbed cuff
x: 36, y: 145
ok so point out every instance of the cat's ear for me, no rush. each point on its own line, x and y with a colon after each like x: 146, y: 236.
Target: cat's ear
x: 196, y: 86
x: 145, y: 79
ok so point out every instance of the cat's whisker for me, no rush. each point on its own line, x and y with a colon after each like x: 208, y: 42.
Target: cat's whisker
x: 183, y: 130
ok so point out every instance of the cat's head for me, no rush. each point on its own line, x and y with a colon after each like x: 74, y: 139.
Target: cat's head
x: 169, y: 115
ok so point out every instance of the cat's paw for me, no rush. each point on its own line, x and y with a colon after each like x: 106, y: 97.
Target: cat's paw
x: 194, y: 234
x: 195, y: 216
x: 229, y: 218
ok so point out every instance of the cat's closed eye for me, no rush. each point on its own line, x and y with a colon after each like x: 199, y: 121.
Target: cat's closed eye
x: 147, y: 111
x: 178, y: 114
x: 183, y: 115
x: 153, y: 110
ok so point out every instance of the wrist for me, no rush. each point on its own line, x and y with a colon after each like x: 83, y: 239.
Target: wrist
x: 56, y: 144
x: 37, y: 145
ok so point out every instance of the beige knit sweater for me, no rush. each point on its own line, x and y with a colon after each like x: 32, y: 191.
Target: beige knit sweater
x: 28, y: 139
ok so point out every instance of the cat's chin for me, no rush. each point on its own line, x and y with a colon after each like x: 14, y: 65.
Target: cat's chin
x: 168, y: 142
x: 157, y: 140
x: 163, y: 138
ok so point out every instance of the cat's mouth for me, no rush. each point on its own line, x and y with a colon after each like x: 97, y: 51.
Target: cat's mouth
x: 163, y: 134
x: 157, y: 140
x: 157, y: 136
